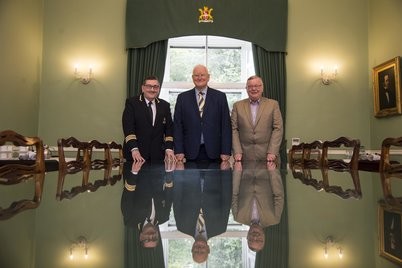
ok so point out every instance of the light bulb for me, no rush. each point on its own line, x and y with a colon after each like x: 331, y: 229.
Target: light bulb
x: 340, y: 254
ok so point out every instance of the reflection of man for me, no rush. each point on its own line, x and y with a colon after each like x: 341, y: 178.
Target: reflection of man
x: 386, y: 90
x: 258, y: 199
x: 146, y: 200
x: 201, y: 204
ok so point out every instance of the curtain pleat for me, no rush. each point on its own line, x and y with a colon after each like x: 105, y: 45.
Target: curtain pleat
x: 271, y: 67
x: 143, y: 62
x: 135, y: 256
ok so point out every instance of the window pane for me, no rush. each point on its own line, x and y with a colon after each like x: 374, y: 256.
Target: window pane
x: 182, y: 62
x: 225, y: 65
x: 224, y: 252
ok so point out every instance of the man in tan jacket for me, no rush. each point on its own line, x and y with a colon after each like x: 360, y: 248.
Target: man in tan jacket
x: 257, y: 126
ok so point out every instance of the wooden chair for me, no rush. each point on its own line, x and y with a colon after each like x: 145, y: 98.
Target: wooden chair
x: 80, y: 155
x: 69, y: 194
x: 305, y: 176
x: 119, y: 159
x: 386, y: 165
x: 98, y: 163
x: 339, y: 164
x: 38, y: 166
x: 296, y: 154
x: 355, y: 192
x: 88, y: 182
x: 23, y: 204
x: 312, y: 154
x: 305, y: 154
x: 386, y: 182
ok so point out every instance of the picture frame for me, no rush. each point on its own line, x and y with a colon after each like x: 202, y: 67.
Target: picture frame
x: 387, y: 88
x: 390, y: 233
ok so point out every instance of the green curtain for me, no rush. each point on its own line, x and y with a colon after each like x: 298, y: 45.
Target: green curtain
x: 143, y: 62
x: 263, y: 22
x: 271, y: 67
x: 276, y: 250
x: 135, y: 256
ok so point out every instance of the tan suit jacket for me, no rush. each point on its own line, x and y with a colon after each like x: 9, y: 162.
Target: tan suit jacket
x: 265, y: 186
x: 255, y: 141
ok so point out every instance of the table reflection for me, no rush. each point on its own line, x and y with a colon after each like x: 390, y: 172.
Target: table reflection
x: 165, y: 200
x: 258, y: 199
x: 145, y: 203
x: 201, y: 204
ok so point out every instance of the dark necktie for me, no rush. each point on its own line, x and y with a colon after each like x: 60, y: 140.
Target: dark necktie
x: 150, y: 112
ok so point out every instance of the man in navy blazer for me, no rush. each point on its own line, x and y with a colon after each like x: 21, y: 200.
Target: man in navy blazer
x: 202, y: 127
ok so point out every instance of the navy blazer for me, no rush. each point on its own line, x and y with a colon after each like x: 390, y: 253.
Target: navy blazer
x: 215, y: 125
x: 215, y: 199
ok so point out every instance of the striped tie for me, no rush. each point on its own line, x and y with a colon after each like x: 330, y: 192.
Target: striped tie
x: 200, y: 222
x: 201, y: 102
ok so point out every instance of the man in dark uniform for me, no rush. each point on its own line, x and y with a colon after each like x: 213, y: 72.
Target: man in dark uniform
x: 146, y: 203
x: 147, y: 125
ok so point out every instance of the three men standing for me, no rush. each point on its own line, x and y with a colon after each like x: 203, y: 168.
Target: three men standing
x: 203, y: 128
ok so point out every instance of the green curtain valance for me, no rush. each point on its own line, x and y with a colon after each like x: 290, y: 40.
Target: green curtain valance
x: 262, y: 22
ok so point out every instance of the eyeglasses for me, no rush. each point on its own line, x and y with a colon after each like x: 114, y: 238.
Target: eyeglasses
x: 147, y: 86
x: 151, y: 238
x: 253, y: 86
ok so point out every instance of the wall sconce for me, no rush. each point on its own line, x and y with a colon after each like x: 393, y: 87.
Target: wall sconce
x: 81, y: 244
x: 327, y: 76
x: 329, y: 243
x: 84, y: 78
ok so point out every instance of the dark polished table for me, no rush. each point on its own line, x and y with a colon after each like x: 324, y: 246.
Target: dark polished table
x: 302, y: 211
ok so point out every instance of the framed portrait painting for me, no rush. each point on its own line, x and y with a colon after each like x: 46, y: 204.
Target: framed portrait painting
x: 390, y: 233
x: 387, y: 88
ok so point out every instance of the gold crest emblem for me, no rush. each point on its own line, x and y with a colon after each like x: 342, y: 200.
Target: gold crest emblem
x: 205, y: 15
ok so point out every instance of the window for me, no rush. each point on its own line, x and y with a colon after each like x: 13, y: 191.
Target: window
x: 230, y: 63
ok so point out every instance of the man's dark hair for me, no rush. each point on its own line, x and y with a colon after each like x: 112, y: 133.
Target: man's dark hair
x: 150, y: 77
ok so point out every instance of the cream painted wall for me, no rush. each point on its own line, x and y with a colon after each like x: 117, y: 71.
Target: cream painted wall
x: 349, y: 221
x: 385, y: 40
x: 17, y: 234
x: 385, y: 23
x: 97, y: 216
x: 20, y: 64
x: 325, y: 33
x: 86, y: 32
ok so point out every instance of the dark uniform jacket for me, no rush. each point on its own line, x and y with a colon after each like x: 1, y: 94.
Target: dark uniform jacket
x: 136, y: 201
x: 139, y: 132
